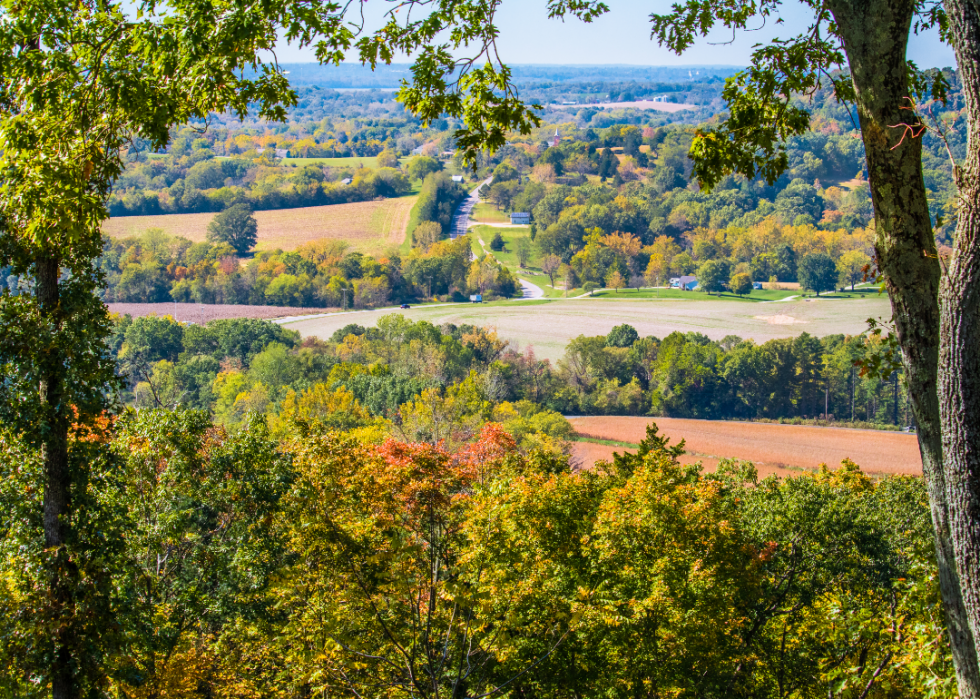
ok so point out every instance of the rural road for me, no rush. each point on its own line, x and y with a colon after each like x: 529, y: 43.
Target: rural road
x: 531, y: 291
x: 461, y: 219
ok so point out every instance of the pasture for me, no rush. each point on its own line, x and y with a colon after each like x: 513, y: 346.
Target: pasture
x: 774, y: 449
x: 370, y: 227
x: 547, y: 325
x: 488, y: 213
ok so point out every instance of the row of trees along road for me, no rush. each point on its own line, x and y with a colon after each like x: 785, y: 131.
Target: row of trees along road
x: 81, y: 81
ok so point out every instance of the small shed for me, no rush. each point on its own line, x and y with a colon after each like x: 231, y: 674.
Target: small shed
x: 457, y: 178
x: 756, y: 285
x: 520, y: 218
x: 346, y: 180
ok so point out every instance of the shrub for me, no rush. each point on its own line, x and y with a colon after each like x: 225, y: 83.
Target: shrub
x: 497, y: 242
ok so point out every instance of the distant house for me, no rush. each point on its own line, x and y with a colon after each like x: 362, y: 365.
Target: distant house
x: 447, y: 154
x: 457, y: 178
x: 280, y: 152
x: 685, y: 283
x: 346, y: 180
x: 520, y: 218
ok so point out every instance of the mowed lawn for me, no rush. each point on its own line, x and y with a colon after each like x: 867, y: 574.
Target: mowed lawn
x: 547, y: 325
x: 370, y: 227
x: 774, y: 449
x: 488, y: 213
x: 508, y: 256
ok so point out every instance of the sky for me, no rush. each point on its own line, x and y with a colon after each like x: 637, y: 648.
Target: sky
x: 623, y: 37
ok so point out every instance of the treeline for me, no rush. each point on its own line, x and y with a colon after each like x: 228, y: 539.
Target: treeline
x: 438, y: 199
x: 620, y: 374
x: 377, y: 378
x: 156, y: 267
x: 688, y: 375
x: 182, y: 185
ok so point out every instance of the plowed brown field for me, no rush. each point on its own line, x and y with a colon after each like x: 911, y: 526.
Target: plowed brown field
x: 773, y: 448
x: 197, y: 313
x: 368, y: 226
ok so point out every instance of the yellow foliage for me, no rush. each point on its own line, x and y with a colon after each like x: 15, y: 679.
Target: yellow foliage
x: 350, y: 348
x: 849, y: 475
x: 337, y: 408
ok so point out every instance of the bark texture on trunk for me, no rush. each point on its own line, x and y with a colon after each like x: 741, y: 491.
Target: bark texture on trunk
x: 875, y: 37
x: 57, y: 483
x: 959, y: 366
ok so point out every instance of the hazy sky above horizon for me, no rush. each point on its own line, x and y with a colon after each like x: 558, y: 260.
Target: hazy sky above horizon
x: 623, y: 37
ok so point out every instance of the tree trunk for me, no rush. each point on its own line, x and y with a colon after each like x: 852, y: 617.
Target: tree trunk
x: 57, y: 483
x: 959, y: 366
x: 875, y: 38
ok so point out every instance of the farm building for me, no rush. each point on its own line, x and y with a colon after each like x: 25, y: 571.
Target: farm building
x: 457, y: 178
x: 520, y: 218
x: 685, y: 283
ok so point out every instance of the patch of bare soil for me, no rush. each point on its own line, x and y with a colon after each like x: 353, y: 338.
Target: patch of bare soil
x: 780, y: 319
x: 203, y: 313
x: 586, y: 454
x: 769, y: 446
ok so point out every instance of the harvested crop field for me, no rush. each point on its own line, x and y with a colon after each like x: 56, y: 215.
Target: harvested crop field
x: 586, y: 454
x: 548, y: 325
x: 773, y: 448
x: 198, y: 313
x: 368, y: 226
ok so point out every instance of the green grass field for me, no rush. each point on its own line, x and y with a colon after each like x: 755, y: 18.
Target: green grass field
x: 757, y: 295
x: 488, y: 213
x: 508, y: 256
x: 548, y: 324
